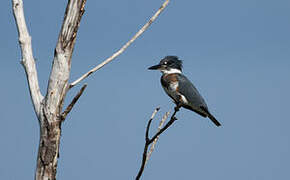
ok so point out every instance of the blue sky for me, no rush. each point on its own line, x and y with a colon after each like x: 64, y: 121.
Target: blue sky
x: 237, y: 53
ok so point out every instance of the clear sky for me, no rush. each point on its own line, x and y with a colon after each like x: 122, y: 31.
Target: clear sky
x: 237, y: 53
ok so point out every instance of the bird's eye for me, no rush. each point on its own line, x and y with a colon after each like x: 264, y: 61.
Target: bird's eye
x: 165, y: 63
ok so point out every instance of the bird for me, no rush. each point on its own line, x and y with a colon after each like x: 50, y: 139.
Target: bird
x: 180, y: 89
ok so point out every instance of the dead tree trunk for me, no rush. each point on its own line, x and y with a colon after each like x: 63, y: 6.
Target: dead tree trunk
x: 50, y: 119
x: 49, y: 108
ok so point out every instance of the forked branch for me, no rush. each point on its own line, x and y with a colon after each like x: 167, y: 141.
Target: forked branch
x: 125, y: 46
x: 153, y: 140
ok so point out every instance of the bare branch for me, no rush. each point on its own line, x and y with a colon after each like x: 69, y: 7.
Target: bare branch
x: 144, y: 157
x: 172, y: 119
x: 155, y: 140
x: 27, y: 61
x: 73, y: 102
x: 58, y: 80
x: 149, y: 141
x: 120, y: 51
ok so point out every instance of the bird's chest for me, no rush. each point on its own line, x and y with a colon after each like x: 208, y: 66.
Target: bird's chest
x: 173, y: 86
x: 170, y: 84
x: 170, y: 81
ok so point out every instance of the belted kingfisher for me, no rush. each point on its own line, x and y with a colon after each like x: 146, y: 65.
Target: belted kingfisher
x: 180, y: 89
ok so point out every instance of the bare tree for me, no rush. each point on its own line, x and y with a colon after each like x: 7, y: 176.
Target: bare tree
x: 49, y: 108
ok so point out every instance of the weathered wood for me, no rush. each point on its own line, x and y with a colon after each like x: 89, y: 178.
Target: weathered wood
x: 50, y: 121
x: 48, y: 150
x: 27, y: 60
x: 48, y: 108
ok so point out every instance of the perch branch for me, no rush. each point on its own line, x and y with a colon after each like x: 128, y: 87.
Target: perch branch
x: 148, y: 141
x: 27, y: 61
x: 120, y: 51
x: 144, y: 157
x: 155, y: 141
x: 73, y: 102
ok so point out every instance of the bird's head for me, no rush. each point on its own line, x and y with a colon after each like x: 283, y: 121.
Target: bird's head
x: 168, y: 65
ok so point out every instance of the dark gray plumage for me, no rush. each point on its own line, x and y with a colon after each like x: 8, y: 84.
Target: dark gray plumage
x: 186, y: 88
x: 196, y: 102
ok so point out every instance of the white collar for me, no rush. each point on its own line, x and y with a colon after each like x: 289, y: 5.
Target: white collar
x: 170, y: 71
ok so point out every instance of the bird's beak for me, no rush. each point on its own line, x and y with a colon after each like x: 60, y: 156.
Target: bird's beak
x: 156, y: 67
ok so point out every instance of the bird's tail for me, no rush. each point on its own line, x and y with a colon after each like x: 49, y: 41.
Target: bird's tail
x: 211, y: 117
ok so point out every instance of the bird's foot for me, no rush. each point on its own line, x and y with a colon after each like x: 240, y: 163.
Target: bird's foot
x: 177, y: 108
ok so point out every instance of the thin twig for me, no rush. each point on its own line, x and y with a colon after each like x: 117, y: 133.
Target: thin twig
x: 120, y: 51
x: 70, y: 106
x: 148, y: 141
x: 155, y: 141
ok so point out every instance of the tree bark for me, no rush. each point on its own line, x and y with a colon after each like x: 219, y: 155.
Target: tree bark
x: 50, y: 120
x: 48, y: 150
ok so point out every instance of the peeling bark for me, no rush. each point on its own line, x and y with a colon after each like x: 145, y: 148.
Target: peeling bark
x: 48, y: 152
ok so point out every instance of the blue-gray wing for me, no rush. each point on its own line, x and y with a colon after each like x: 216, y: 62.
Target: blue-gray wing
x: 195, y: 100
x: 187, y: 89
